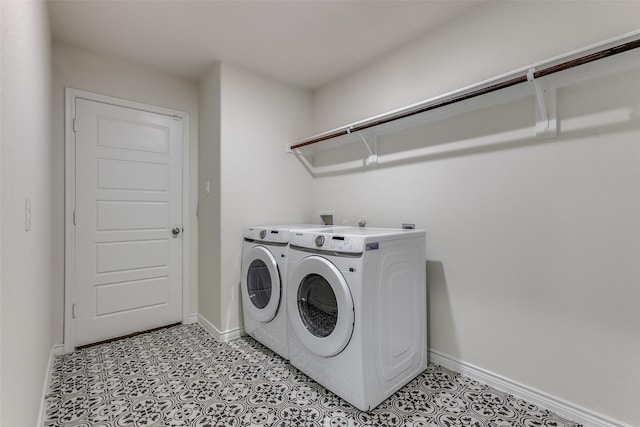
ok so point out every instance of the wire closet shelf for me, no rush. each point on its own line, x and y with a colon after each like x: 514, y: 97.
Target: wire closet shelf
x: 555, y: 65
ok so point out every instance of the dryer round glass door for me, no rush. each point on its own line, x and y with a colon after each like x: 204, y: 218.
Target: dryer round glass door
x: 320, y: 306
x: 317, y: 305
x: 261, y: 284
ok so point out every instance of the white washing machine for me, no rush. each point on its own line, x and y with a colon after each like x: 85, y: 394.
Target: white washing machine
x: 356, y: 303
x: 264, y: 273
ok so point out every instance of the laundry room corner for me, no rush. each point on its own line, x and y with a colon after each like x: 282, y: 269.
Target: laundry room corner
x: 246, y: 120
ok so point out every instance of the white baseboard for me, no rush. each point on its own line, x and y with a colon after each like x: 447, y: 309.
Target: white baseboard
x: 220, y: 336
x: 56, y: 350
x: 561, y: 407
x: 190, y: 320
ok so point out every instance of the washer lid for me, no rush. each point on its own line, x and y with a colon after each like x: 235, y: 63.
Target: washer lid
x: 260, y: 284
x: 320, y: 306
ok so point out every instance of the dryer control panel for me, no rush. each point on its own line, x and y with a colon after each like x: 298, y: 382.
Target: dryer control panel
x: 328, y: 242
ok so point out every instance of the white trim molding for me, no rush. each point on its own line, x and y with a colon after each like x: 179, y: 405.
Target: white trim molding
x: 561, y: 407
x: 55, y: 351
x: 191, y: 319
x: 220, y: 336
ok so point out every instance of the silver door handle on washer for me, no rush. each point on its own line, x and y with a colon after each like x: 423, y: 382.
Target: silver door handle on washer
x: 175, y: 231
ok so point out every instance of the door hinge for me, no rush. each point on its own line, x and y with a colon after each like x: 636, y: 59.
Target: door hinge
x: 74, y: 217
x: 73, y: 311
x: 75, y: 127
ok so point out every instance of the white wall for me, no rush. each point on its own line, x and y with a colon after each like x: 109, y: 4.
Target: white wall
x: 492, y: 39
x: 26, y: 256
x: 258, y: 183
x: 209, y: 204
x: 83, y: 70
x: 532, y: 247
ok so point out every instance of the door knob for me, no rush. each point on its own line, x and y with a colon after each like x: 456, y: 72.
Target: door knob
x: 175, y: 231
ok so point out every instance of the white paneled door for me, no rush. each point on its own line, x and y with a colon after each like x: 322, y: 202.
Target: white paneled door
x: 128, y: 221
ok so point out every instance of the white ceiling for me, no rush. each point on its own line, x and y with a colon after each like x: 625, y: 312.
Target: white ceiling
x: 303, y: 42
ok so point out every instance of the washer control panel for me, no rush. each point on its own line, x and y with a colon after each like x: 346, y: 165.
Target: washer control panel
x: 267, y: 235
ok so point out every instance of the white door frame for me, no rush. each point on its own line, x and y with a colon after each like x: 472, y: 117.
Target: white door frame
x: 70, y: 200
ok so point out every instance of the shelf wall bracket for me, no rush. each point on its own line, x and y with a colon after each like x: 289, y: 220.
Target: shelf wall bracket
x: 371, y: 143
x: 546, y: 113
x: 303, y: 159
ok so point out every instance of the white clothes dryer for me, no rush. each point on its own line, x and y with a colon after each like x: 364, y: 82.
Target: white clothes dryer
x: 264, y: 273
x: 356, y: 302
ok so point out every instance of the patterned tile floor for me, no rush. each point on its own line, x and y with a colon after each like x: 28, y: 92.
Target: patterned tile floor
x: 182, y: 376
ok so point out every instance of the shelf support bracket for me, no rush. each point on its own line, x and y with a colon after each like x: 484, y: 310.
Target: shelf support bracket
x: 546, y: 115
x: 371, y: 142
x: 303, y: 159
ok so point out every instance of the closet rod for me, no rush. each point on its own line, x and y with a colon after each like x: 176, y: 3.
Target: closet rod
x: 605, y: 53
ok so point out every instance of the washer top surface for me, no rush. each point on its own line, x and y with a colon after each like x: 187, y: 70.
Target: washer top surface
x: 368, y: 231
x: 352, y: 240
x: 289, y: 226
